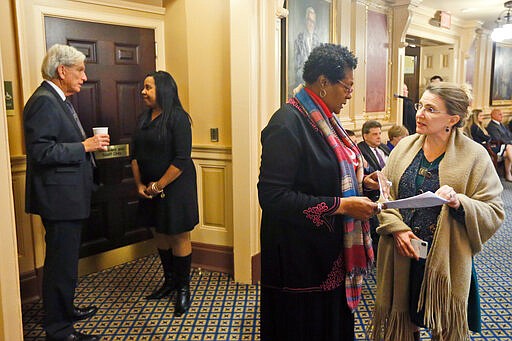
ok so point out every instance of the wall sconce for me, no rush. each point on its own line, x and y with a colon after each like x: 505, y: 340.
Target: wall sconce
x: 281, y: 12
x: 503, y: 30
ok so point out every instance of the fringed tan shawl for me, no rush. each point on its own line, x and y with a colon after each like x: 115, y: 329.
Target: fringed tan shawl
x: 466, y: 167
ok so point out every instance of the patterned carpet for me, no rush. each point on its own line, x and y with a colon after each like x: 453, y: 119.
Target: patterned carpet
x: 225, y: 310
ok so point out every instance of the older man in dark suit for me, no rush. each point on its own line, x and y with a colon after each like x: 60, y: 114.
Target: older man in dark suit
x: 59, y: 184
x: 496, y: 129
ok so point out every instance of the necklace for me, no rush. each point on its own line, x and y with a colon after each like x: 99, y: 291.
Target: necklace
x: 426, y: 168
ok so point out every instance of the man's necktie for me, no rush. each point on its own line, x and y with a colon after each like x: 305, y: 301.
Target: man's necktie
x: 75, y: 117
x: 380, y: 158
x: 77, y: 121
x: 503, y: 129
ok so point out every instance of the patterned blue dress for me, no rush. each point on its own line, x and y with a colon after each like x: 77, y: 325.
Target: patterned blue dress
x: 419, y: 177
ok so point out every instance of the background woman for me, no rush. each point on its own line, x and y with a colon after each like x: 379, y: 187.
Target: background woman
x: 315, y: 244
x: 395, y: 134
x: 476, y: 130
x: 435, y: 293
x: 166, y: 181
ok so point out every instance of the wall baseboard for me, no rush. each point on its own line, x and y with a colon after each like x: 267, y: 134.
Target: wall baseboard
x: 213, y: 257
x: 256, y: 268
x: 30, y: 285
x: 204, y: 256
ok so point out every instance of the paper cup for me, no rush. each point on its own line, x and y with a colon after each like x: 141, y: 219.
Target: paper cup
x: 100, y: 130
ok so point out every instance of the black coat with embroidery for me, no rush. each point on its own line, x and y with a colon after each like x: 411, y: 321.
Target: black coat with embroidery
x: 299, y: 190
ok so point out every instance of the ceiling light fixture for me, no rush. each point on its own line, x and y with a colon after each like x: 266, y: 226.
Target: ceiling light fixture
x: 503, y: 31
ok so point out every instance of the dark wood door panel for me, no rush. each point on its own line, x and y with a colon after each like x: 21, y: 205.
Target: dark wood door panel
x: 413, y: 80
x: 117, y: 60
x: 88, y: 100
x: 128, y: 108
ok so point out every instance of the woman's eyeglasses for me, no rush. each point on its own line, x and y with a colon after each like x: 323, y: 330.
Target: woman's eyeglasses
x: 348, y: 88
x: 430, y: 110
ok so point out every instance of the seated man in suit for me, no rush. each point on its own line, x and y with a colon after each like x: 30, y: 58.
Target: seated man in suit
x: 497, y: 129
x: 376, y: 154
x: 373, y: 150
x: 500, y: 133
x: 59, y: 185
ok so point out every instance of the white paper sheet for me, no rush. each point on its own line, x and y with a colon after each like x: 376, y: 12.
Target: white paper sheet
x: 427, y: 199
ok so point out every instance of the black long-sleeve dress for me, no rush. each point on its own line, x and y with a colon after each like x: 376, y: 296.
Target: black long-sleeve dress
x: 481, y: 137
x: 177, y: 211
x: 303, y: 291
x: 478, y: 135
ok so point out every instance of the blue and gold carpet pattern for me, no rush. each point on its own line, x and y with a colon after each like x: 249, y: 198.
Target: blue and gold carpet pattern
x: 224, y: 310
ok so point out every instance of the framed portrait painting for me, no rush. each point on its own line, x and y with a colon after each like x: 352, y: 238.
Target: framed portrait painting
x: 501, y: 86
x: 309, y: 23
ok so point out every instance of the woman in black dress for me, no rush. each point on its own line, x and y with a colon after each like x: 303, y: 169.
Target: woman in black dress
x: 315, y: 239
x: 166, y: 182
x: 475, y: 127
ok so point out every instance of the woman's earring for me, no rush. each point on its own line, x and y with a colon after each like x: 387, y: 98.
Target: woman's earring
x: 447, y: 129
x: 323, y: 93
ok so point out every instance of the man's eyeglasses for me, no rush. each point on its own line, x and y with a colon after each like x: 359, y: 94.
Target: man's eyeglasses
x: 430, y: 110
x: 349, y: 89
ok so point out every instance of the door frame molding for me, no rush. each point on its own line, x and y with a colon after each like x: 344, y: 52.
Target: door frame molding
x: 11, y: 327
x: 32, y: 40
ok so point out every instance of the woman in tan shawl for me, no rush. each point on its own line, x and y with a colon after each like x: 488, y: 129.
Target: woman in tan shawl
x: 433, y: 293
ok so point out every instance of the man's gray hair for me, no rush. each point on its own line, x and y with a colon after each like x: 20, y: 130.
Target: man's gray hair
x: 59, y: 55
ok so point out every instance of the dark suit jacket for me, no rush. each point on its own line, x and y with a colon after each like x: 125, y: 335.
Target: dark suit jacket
x: 499, y: 133
x: 409, y: 114
x: 59, y: 172
x: 369, y: 156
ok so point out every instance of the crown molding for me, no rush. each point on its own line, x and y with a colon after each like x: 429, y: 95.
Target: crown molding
x: 129, y: 5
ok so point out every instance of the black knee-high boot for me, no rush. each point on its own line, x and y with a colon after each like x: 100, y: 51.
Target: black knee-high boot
x: 182, y: 279
x: 169, y: 285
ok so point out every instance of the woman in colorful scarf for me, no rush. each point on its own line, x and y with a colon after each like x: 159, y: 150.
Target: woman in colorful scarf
x: 315, y: 243
x: 440, y: 292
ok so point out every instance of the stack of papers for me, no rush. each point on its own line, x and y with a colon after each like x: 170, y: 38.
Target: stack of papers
x: 427, y: 199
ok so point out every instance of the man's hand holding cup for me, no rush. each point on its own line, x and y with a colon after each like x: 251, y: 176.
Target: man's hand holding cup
x: 100, y: 140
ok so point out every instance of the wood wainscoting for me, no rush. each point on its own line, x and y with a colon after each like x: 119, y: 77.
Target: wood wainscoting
x: 212, y: 239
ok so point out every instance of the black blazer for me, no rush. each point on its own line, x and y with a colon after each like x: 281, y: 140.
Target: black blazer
x: 298, y: 190
x: 409, y: 114
x: 369, y: 156
x: 499, y: 133
x: 59, y: 172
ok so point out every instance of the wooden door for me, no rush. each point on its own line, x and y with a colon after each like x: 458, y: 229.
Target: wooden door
x: 412, y: 78
x: 117, y: 60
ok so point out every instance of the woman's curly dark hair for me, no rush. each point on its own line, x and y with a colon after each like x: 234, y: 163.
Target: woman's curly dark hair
x: 330, y: 60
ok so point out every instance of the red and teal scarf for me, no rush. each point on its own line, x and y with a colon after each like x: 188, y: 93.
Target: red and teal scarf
x: 357, y: 253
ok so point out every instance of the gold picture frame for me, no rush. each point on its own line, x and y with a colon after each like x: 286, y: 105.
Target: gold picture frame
x: 309, y: 23
x: 501, y: 74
